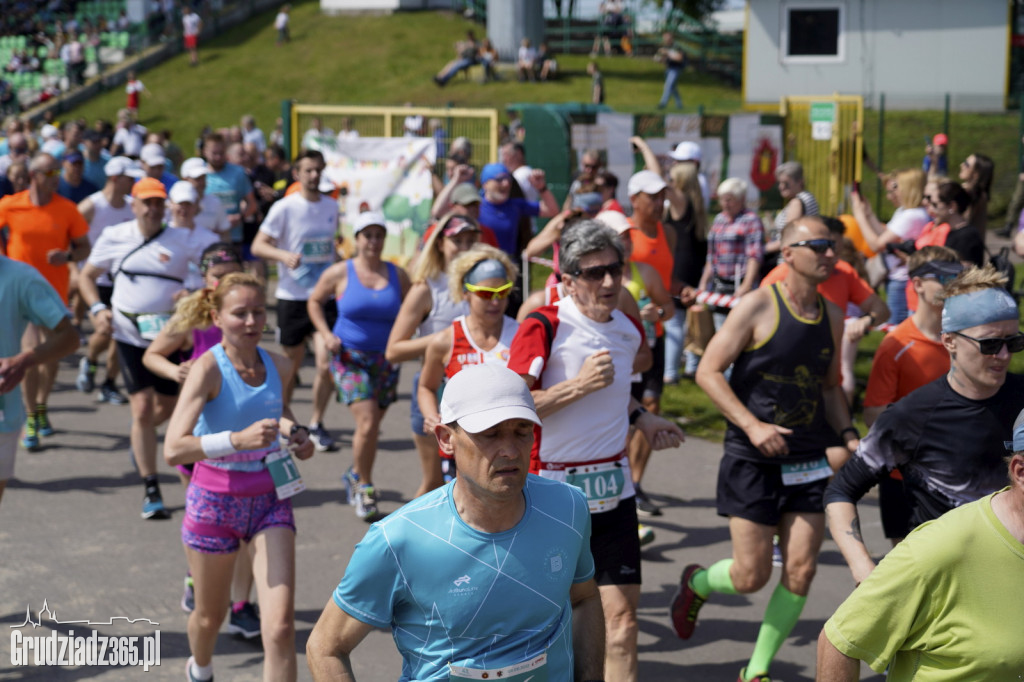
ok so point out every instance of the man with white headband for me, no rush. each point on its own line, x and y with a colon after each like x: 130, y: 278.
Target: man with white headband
x: 487, y: 577
x: 945, y: 604
x: 947, y: 436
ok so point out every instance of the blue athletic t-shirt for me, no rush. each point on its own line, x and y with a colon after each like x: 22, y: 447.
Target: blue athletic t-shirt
x: 453, y: 594
x: 230, y: 184
x: 503, y: 219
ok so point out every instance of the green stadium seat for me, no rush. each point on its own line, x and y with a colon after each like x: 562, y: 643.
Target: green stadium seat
x: 90, y: 55
x: 42, y: 52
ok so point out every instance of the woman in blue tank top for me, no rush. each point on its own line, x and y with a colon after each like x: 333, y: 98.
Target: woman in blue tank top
x: 368, y: 293
x: 228, y: 421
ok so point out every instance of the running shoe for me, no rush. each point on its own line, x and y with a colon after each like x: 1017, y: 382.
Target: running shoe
x: 321, y: 438
x: 646, y: 534
x: 686, y: 604
x: 188, y: 597
x: 360, y: 495
x: 644, y: 505
x: 755, y: 678
x: 30, y: 439
x: 109, y: 394
x: 86, y: 379
x: 192, y: 677
x: 43, y: 426
x: 245, y: 621
x: 153, y: 507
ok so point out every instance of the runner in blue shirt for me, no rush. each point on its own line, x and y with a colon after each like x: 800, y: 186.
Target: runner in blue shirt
x: 485, y: 577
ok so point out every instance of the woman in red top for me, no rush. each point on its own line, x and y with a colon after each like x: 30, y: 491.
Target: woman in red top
x: 484, y: 277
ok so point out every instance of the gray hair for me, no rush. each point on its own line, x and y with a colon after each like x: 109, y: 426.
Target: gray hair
x: 734, y: 187
x: 583, y: 237
x: 794, y: 170
x: 36, y: 165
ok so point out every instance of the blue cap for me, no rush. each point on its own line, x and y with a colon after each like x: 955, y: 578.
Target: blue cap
x: 74, y: 156
x: 588, y: 202
x: 493, y: 171
x: 1017, y: 444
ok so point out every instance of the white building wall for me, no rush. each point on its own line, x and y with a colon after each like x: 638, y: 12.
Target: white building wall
x: 339, y: 6
x: 914, y: 51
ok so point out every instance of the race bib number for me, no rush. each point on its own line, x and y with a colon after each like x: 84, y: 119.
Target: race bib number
x: 799, y: 473
x: 149, y: 326
x: 319, y: 250
x: 534, y: 670
x: 601, y: 483
x: 287, y: 480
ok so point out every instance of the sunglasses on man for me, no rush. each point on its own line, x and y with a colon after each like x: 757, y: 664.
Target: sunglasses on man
x: 819, y: 246
x: 1014, y: 344
x: 596, y: 273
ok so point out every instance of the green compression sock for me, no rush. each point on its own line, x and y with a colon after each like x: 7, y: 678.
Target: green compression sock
x: 783, y: 612
x: 714, y: 579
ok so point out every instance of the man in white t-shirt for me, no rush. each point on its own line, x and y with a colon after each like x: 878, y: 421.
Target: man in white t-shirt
x: 130, y: 136
x: 211, y: 213
x: 191, y: 27
x: 182, y: 207
x: 281, y: 24
x: 299, y: 233
x: 149, y: 263
x: 253, y: 135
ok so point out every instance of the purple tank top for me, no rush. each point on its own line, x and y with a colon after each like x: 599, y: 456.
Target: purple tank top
x: 204, y: 339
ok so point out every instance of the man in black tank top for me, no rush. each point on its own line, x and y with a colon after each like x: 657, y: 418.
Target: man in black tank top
x: 785, y: 406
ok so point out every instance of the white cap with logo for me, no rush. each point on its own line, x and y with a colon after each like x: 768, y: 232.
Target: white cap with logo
x: 686, y: 151
x: 646, y: 182
x: 481, y: 396
x: 122, y: 165
x: 367, y: 218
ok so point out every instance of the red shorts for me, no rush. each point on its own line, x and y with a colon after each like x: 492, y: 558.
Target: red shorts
x: 190, y: 42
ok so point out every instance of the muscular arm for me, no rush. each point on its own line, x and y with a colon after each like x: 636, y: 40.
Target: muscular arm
x: 264, y: 246
x: 331, y: 283
x: 551, y: 233
x: 834, y: 665
x: 334, y: 637
x: 739, y: 332
x: 848, y: 486
x: 837, y: 410
x: 587, y: 631
x: 431, y: 377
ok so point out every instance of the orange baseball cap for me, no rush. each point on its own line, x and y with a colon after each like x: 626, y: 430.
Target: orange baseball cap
x: 149, y: 188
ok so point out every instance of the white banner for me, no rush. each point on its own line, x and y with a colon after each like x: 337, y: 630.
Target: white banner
x: 387, y: 174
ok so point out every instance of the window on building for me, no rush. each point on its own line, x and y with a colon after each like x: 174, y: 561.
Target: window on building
x: 812, y: 33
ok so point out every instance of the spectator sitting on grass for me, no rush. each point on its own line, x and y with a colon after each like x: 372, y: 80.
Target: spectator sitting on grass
x: 467, y: 54
x: 544, y: 65
x: 527, y: 61
x: 489, y: 58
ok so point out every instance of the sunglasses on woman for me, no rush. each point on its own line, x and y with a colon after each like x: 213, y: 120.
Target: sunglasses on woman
x: 596, y: 273
x: 1014, y: 344
x: 489, y: 293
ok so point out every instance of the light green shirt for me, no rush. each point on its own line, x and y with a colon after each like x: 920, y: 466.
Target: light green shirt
x: 946, y: 605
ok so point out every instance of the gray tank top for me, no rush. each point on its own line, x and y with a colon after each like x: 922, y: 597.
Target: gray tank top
x: 443, y: 310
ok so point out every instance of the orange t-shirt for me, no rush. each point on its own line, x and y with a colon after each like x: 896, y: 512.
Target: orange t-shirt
x: 35, y: 230
x: 843, y: 287
x: 905, y: 361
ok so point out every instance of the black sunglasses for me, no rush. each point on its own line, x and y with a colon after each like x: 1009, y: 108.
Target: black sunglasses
x: 596, y: 273
x: 1014, y: 344
x: 817, y: 245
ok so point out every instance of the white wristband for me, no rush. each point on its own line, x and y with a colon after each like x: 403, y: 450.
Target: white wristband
x: 216, y: 445
x: 96, y: 307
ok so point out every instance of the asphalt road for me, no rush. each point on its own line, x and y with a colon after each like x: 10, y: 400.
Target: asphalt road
x: 71, y: 536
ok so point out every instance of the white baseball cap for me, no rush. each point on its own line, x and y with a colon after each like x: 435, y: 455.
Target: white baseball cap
x: 122, y: 165
x: 326, y: 186
x: 480, y: 396
x: 194, y: 168
x: 615, y: 220
x: 646, y: 182
x: 686, y: 151
x: 182, y: 191
x: 367, y: 218
x: 49, y: 131
x: 153, y: 155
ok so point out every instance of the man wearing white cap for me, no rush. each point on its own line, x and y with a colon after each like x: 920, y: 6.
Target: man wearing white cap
x: 578, y: 357
x: 110, y: 206
x: 945, y: 437
x: 211, y: 213
x: 183, y: 204
x: 299, y: 233
x: 487, y: 577
x: 154, y: 163
x: 945, y: 603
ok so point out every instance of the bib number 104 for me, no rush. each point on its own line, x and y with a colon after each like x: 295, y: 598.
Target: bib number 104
x: 601, y: 483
